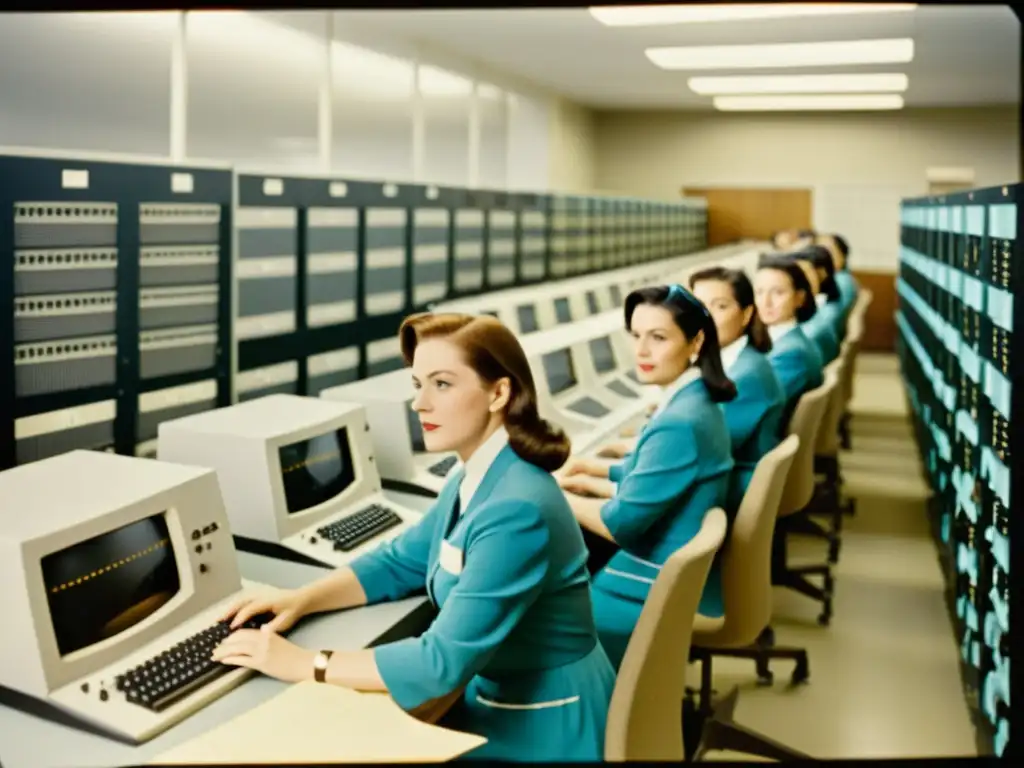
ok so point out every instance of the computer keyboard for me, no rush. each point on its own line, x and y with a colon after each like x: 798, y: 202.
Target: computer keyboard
x: 349, y: 532
x: 444, y: 466
x: 169, y: 677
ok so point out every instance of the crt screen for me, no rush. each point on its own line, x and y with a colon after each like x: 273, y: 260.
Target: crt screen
x: 592, y: 303
x: 415, y: 430
x: 527, y: 318
x: 602, y: 354
x: 616, y: 294
x: 559, y: 371
x: 102, y: 586
x: 562, y: 311
x: 316, y: 470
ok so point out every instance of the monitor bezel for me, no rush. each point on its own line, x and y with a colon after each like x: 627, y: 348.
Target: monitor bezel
x: 59, y: 669
x: 291, y: 523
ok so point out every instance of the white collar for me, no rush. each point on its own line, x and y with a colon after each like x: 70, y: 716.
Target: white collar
x: 779, y: 330
x: 731, y: 353
x: 690, y: 374
x: 478, y: 464
x: 820, y: 300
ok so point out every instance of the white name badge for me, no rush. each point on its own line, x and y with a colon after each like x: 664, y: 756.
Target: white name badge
x: 450, y: 558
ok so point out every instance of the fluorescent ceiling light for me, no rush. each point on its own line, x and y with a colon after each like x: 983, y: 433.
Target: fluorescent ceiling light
x: 829, y: 102
x: 873, y: 83
x: 773, y: 55
x: 656, y: 15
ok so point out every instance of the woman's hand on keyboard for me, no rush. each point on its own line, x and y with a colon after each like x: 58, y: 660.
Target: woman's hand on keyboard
x: 287, y: 605
x: 267, y: 652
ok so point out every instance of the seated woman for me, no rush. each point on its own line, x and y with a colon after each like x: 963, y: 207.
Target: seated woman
x: 654, y: 502
x: 839, y: 249
x: 824, y: 328
x: 754, y: 416
x: 499, y: 553
x: 828, y: 298
x: 784, y: 299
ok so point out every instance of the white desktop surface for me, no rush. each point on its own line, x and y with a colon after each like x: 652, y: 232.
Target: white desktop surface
x: 31, y: 742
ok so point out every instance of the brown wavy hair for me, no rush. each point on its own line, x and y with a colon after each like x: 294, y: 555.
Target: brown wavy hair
x: 494, y: 353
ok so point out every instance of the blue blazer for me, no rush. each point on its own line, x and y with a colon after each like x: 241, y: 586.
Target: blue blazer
x: 754, y: 418
x: 515, y: 622
x: 848, y: 290
x: 678, y: 471
x: 798, y: 366
x: 821, y: 329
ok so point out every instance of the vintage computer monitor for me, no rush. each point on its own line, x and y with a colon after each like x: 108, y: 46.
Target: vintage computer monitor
x: 614, y: 375
x: 401, y: 456
x: 117, y: 571
x: 564, y: 397
x: 297, y: 474
x: 563, y: 310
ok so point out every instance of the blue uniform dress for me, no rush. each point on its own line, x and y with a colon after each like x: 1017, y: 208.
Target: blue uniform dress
x: 753, y: 417
x: 848, y: 290
x: 515, y: 622
x: 796, y: 362
x: 821, y: 329
x: 678, y: 471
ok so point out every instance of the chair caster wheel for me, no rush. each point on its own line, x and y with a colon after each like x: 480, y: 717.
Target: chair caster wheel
x: 824, y: 619
x: 801, y: 673
x: 765, y: 679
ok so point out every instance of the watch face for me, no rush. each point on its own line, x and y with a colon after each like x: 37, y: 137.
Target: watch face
x: 320, y: 662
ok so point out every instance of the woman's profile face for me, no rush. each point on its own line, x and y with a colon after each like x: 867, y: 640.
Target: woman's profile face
x: 775, y: 296
x: 731, y: 320
x: 452, y: 401
x: 662, y: 349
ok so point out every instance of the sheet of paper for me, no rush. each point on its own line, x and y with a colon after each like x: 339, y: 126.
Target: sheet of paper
x: 317, y: 723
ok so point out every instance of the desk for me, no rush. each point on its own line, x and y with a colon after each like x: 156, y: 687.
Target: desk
x: 29, y: 742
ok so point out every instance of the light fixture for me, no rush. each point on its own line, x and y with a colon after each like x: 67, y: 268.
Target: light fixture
x: 774, y: 55
x: 825, y: 102
x: 657, y: 15
x: 750, y: 84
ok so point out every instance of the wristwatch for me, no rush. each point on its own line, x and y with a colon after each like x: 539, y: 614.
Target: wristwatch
x: 320, y: 662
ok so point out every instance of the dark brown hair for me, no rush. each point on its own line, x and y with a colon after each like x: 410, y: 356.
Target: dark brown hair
x: 494, y: 353
x: 692, y: 317
x: 743, y: 293
x: 787, y: 265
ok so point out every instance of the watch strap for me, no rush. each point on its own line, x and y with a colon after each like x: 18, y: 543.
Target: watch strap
x: 320, y: 665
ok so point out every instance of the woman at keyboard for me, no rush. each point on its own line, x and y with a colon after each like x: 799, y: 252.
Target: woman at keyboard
x: 821, y: 328
x: 784, y: 300
x: 654, y: 502
x: 754, y: 416
x: 499, y: 553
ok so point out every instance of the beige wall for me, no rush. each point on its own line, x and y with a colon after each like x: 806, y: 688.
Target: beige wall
x: 859, y: 165
x: 572, y: 148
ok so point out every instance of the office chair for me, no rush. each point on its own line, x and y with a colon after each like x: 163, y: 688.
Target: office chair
x: 796, y: 498
x: 828, y: 478
x: 643, y: 717
x: 854, y: 335
x: 741, y: 632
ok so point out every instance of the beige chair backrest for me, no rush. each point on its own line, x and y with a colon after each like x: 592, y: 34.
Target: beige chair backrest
x: 747, y: 560
x: 806, y: 420
x: 643, y: 719
x: 854, y: 334
x: 828, y: 430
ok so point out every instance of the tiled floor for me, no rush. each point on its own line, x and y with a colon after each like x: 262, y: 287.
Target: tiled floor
x: 884, y: 675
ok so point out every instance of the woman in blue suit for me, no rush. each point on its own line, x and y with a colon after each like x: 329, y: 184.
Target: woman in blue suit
x: 654, y: 502
x: 784, y: 299
x: 839, y: 249
x: 755, y: 415
x: 499, y: 553
x: 826, y: 327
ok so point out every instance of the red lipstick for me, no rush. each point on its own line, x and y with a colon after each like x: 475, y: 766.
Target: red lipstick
x: 428, y: 427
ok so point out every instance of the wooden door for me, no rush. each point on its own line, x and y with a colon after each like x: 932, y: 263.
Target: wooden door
x: 738, y: 213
